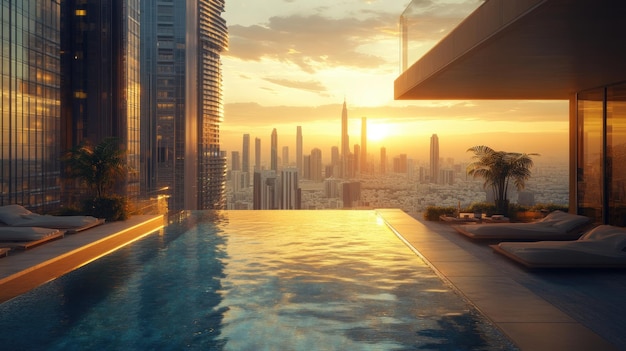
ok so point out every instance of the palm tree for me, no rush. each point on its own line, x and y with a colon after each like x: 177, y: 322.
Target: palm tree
x: 498, y: 169
x: 100, y: 167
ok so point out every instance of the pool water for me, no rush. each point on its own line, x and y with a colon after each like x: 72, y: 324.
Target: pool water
x: 252, y: 280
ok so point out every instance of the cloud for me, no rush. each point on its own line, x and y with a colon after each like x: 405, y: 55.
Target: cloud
x: 314, y: 42
x: 311, y: 86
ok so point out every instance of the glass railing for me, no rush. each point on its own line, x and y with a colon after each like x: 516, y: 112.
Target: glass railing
x: 424, y: 23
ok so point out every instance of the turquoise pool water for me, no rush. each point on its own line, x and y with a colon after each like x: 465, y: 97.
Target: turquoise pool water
x: 252, y: 280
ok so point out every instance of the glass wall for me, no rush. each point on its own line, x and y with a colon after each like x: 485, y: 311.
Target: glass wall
x: 30, y: 113
x: 616, y: 154
x: 601, y: 156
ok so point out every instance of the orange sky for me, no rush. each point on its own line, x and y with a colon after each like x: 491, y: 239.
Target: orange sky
x: 293, y: 62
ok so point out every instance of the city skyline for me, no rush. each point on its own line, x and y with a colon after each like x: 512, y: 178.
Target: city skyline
x: 293, y: 63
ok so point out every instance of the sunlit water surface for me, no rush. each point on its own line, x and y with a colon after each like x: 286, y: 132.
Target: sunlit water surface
x: 252, y: 280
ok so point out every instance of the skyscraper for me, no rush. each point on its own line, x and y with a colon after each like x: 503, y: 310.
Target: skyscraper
x: 356, y: 169
x: 299, y: 150
x: 285, y: 156
x: 245, y: 154
x: 31, y: 104
x: 257, y: 154
x: 363, y: 166
x: 316, y: 165
x: 274, y: 151
x: 182, y: 43
x: 290, y: 193
x: 264, y: 193
x: 434, y: 158
x: 236, y: 162
x: 345, y: 145
x: 100, y: 99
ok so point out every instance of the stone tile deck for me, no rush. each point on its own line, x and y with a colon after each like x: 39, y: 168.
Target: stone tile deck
x: 504, y: 292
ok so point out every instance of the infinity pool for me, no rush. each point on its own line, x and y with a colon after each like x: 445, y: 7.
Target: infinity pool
x: 252, y: 280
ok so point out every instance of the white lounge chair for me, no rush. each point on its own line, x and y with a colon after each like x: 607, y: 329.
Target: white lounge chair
x: 18, y: 216
x: 27, y: 237
x: 557, y: 225
x: 601, y: 247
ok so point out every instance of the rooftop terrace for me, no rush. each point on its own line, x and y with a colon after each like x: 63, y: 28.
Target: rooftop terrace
x: 543, y: 310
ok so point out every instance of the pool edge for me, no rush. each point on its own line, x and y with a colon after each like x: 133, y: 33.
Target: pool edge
x: 529, y: 321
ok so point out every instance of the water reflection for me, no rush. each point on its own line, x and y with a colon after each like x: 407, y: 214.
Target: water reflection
x: 249, y: 280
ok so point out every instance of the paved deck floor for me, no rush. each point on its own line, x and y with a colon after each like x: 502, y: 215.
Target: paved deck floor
x: 545, y: 310
x: 538, y: 310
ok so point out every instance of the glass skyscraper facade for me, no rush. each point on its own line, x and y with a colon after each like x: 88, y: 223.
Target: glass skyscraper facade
x: 182, y: 41
x: 100, y: 42
x: 29, y: 142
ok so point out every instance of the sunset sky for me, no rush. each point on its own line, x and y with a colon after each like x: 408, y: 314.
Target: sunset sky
x: 293, y: 62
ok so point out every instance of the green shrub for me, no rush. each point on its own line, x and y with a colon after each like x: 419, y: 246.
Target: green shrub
x: 488, y: 208
x: 549, y: 207
x: 434, y: 212
x: 112, y: 208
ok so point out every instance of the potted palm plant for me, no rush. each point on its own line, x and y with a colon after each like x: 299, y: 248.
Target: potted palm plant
x: 499, y: 169
x: 100, y: 168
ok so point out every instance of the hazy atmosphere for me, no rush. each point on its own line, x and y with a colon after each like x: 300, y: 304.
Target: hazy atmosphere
x: 293, y: 62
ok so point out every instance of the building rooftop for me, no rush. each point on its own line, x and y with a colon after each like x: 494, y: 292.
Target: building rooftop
x: 525, y: 49
x: 542, y: 310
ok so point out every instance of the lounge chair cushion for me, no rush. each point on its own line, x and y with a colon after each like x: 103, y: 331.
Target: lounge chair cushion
x: 25, y: 233
x: 11, y: 214
x: 602, y: 246
x: 18, y: 216
x: 610, y: 236
x: 563, y: 221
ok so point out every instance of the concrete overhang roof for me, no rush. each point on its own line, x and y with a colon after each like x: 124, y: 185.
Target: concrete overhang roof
x: 523, y: 49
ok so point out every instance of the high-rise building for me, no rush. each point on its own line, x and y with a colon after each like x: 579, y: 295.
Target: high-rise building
x: 299, y: 150
x: 265, y: 190
x: 290, y: 192
x: 316, y: 165
x: 31, y: 104
x: 351, y: 194
x: 335, y: 159
x: 363, y: 165
x: 306, y: 167
x: 345, y: 145
x: 245, y: 154
x: 257, y: 154
x: 383, y: 160
x: 235, y: 162
x: 100, y: 95
x: 434, y: 159
x: 356, y: 160
x: 285, y: 156
x: 181, y: 46
x: 274, y: 151
x: 400, y: 164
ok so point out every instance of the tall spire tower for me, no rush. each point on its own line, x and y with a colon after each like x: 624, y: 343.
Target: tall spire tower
x: 345, y: 145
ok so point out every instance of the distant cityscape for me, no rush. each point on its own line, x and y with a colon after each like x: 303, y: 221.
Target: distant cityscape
x: 357, y: 179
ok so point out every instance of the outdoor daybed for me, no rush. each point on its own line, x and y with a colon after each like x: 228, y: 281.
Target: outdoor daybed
x: 26, y: 237
x: 557, y: 225
x: 18, y: 216
x: 601, y: 247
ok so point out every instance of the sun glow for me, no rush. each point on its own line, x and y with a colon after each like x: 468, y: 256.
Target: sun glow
x: 377, y: 132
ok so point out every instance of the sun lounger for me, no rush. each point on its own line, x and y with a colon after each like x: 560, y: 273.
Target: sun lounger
x: 557, y: 225
x: 26, y: 237
x: 4, y: 251
x: 18, y: 216
x: 601, y: 247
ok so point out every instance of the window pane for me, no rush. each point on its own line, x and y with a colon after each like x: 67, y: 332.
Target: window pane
x: 590, y: 154
x: 616, y: 154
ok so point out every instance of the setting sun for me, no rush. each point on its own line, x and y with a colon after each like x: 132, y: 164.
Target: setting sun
x: 377, y: 132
